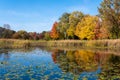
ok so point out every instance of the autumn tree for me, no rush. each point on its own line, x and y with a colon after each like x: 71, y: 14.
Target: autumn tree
x: 110, y: 12
x: 6, y: 33
x: 21, y: 35
x: 16, y: 36
x: 85, y: 28
x: 97, y: 30
x: 74, y: 18
x: 54, y: 33
x: 33, y: 36
x: 104, y: 31
x: 41, y: 36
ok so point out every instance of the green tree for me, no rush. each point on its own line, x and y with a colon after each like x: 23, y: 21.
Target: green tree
x: 63, y: 25
x: 110, y: 12
x: 7, y: 33
x: 74, y: 18
x: 47, y: 36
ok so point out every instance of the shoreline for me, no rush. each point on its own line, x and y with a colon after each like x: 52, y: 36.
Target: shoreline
x: 16, y: 43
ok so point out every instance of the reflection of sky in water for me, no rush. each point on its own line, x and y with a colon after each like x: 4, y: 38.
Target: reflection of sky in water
x: 37, y: 64
x: 32, y: 65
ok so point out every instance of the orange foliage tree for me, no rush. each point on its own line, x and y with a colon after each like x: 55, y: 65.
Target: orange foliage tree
x: 54, y: 33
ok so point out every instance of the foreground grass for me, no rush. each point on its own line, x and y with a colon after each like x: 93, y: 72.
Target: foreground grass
x: 13, y: 43
x: 85, y: 43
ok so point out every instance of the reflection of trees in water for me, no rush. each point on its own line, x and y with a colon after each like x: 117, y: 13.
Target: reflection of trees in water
x: 80, y: 60
x: 74, y: 61
x: 111, y: 70
x: 5, y: 56
x: 23, y: 50
x: 85, y: 59
x: 54, y: 55
x: 60, y: 58
x: 114, y: 59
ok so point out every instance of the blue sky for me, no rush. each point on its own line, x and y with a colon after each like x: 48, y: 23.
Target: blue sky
x: 39, y: 15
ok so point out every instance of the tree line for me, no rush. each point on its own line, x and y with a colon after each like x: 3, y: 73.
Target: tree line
x: 77, y: 25
x: 22, y: 34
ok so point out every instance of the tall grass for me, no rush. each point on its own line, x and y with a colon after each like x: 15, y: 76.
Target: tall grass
x: 13, y: 43
x: 115, y: 43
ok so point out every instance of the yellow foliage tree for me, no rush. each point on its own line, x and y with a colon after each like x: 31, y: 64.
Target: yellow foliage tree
x: 85, y: 28
x: 74, y: 18
x: 70, y: 31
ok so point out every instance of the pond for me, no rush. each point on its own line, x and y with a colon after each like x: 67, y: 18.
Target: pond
x: 55, y: 64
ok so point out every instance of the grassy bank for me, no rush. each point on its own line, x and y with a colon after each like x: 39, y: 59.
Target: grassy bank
x: 83, y: 43
x: 13, y: 43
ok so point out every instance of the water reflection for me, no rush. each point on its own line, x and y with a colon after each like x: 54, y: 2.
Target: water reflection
x: 37, y: 63
x: 88, y: 64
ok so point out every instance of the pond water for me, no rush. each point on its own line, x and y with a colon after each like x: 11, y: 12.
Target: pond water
x: 55, y: 64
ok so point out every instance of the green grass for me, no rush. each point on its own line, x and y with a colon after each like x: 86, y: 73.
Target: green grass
x: 14, y: 43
